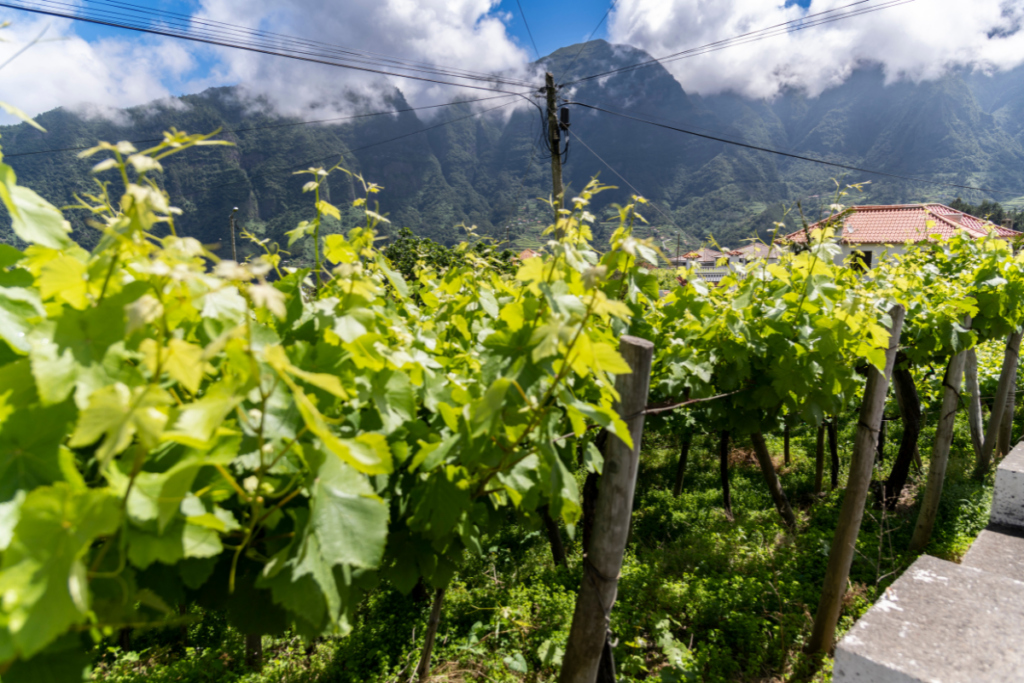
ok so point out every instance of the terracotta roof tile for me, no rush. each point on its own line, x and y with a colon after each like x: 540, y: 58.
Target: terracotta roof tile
x: 901, y: 223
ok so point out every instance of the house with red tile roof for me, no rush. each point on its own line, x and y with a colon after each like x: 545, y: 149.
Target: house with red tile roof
x: 872, y: 230
x: 756, y: 250
x: 705, y: 256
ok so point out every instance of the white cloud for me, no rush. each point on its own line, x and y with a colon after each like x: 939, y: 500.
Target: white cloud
x: 464, y: 34
x: 917, y: 41
x: 65, y: 70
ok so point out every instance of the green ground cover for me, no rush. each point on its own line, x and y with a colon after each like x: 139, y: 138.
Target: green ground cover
x: 701, y: 598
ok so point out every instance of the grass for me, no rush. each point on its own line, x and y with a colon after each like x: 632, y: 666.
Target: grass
x: 700, y: 598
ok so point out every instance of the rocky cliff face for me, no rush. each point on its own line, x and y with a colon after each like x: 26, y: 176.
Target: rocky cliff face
x: 488, y: 170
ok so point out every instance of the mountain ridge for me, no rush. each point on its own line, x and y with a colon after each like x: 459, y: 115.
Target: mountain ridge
x: 487, y: 170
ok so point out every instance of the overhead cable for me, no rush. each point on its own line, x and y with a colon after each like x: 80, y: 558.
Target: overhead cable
x: 171, y: 17
x: 589, y: 36
x: 623, y: 179
x: 306, y: 164
x: 788, y: 154
x: 528, y: 31
x: 272, y: 125
x: 50, y: 10
x: 792, y: 26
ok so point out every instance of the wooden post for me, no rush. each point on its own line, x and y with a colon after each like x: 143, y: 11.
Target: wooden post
x: 819, y: 460
x: 975, y: 418
x: 940, y: 450
x: 833, y: 450
x: 254, y: 651
x: 880, y: 451
x: 614, y: 512
x: 423, y: 669
x: 555, y: 145
x: 554, y: 535
x: 785, y: 439
x: 764, y: 459
x: 1007, y: 377
x: 910, y: 411
x: 861, y: 464
x: 684, y: 456
x: 231, y: 219
x: 1006, y: 428
x: 723, y: 471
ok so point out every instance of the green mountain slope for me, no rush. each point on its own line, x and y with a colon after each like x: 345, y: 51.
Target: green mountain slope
x: 489, y: 170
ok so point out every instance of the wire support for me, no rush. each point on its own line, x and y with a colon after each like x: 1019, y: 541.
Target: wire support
x: 791, y: 26
x: 51, y: 10
x: 789, y: 154
x: 622, y: 178
x: 270, y: 126
x: 178, y: 18
x: 590, y: 35
x: 306, y: 164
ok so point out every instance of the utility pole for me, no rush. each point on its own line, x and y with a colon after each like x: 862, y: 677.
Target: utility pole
x: 554, y: 144
x: 234, y: 253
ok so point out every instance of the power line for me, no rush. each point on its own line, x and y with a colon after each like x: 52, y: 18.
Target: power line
x: 178, y: 17
x: 528, y: 31
x: 223, y: 42
x: 519, y: 191
x: 788, y: 154
x: 623, y: 179
x: 791, y: 26
x: 274, y: 125
x: 223, y: 31
x: 357, y: 149
x: 589, y: 36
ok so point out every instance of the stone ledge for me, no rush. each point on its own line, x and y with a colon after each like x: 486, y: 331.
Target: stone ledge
x: 938, y: 623
x: 1008, y: 499
x: 998, y: 549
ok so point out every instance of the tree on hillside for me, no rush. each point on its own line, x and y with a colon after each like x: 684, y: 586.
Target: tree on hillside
x: 992, y: 211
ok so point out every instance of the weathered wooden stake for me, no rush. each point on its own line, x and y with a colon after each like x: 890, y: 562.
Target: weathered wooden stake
x: 785, y: 446
x: 764, y: 459
x: 975, y: 417
x: 684, y: 456
x: 554, y: 535
x: 910, y: 412
x: 833, y: 449
x: 423, y: 669
x: 613, y: 514
x: 940, y: 450
x: 880, y: 451
x: 254, y: 651
x: 1006, y: 428
x: 1007, y: 377
x: 819, y: 460
x: 861, y: 463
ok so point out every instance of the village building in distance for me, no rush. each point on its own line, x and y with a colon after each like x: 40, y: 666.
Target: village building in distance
x: 874, y: 230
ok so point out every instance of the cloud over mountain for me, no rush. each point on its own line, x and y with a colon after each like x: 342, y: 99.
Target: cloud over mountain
x: 464, y: 34
x: 62, y: 69
x: 916, y: 41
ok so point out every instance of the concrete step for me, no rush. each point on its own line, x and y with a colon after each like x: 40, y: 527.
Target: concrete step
x: 1008, y: 498
x: 938, y: 623
x: 998, y: 549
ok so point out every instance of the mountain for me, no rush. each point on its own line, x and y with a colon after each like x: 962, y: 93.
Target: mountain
x: 488, y: 170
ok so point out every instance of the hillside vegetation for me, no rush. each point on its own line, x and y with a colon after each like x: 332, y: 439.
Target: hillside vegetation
x: 487, y: 171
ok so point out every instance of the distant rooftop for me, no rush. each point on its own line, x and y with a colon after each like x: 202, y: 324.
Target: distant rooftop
x: 753, y: 250
x: 901, y: 223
